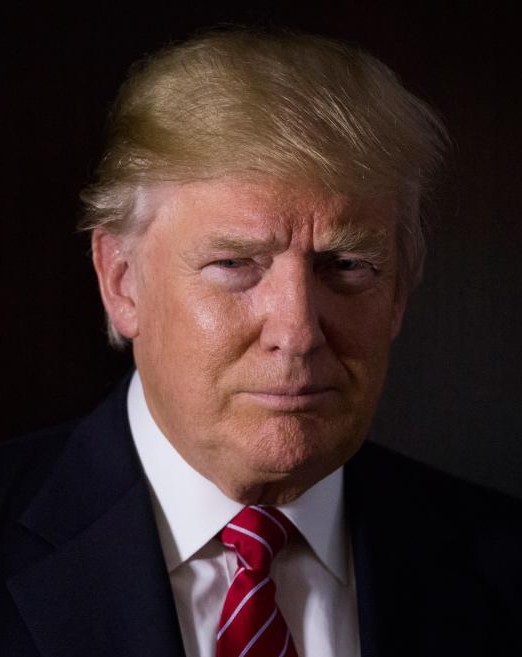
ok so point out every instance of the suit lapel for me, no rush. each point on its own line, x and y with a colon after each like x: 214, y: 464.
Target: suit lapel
x: 96, y: 584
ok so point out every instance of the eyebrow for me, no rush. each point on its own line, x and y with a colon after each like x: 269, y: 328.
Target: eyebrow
x: 242, y: 245
x: 373, y: 244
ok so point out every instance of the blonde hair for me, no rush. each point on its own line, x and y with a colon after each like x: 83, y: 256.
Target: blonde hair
x: 285, y: 105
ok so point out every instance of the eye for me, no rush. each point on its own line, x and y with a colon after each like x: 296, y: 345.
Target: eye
x: 229, y: 263
x: 234, y: 274
x: 347, y: 274
x: 334, y: 263
x: 351, y: 264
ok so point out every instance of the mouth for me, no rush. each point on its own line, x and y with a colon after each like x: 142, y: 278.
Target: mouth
x: 293, y: 398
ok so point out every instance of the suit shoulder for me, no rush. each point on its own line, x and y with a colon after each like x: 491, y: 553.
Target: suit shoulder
x: 431, y: 491
x: 25, y: 463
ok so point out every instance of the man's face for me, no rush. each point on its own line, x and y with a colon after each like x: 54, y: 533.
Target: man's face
x: 265, y: 313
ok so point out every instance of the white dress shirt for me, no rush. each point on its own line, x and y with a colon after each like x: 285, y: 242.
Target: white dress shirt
x: 314, y: 576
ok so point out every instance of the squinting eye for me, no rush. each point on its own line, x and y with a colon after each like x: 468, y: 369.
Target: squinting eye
x: 360, y: 267
x: 351, y: 265
x: 234, y: 274
x: 228, y: 263
x: 347, y: 275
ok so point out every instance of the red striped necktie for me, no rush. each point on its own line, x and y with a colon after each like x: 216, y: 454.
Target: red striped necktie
x: 251, y: 624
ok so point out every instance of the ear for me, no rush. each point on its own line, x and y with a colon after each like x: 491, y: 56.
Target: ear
x: 117, y: 280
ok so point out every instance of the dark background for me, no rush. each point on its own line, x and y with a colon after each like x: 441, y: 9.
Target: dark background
x: 454, y: 390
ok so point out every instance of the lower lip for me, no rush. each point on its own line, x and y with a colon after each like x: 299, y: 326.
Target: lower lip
x: 287, y: 403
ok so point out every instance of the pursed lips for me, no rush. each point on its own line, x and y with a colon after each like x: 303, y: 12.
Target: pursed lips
x: 292, y: 397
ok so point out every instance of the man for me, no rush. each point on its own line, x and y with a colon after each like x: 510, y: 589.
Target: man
x: 256, y: 232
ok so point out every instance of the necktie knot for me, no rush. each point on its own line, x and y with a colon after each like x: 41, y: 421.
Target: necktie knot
x: 251, y: 624
x: 257, y: 534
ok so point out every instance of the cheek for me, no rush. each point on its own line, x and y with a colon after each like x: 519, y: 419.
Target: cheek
x: 361, y: 327
x: 206, y: 318
x: 200, y: 332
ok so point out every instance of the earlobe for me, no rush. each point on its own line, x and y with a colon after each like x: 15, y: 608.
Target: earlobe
x: 116, y: 278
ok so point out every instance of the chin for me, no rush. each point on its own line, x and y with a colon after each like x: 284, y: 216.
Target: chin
x: 294, y: 445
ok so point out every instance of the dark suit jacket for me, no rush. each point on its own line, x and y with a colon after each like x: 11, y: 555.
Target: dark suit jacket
x: 437, y: 561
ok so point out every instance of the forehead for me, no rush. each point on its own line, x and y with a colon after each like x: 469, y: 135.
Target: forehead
x: 275, y: 211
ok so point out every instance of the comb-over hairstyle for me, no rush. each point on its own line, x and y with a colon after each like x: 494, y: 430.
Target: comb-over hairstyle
x: 293, y: 106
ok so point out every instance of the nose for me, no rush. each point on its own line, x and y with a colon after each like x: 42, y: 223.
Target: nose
x: 291, y: 310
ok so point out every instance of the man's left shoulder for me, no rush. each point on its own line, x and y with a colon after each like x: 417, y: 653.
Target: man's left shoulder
x: 411, y: 487
x: 447, y: 518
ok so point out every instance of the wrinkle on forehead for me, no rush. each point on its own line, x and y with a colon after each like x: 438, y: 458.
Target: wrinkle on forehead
x: 266, y: 215
x: 313, y: 223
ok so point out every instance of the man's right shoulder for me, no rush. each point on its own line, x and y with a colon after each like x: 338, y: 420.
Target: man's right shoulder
x: 25, y: 464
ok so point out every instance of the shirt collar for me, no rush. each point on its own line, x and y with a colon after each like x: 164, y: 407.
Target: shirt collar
x: 185, y: 528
